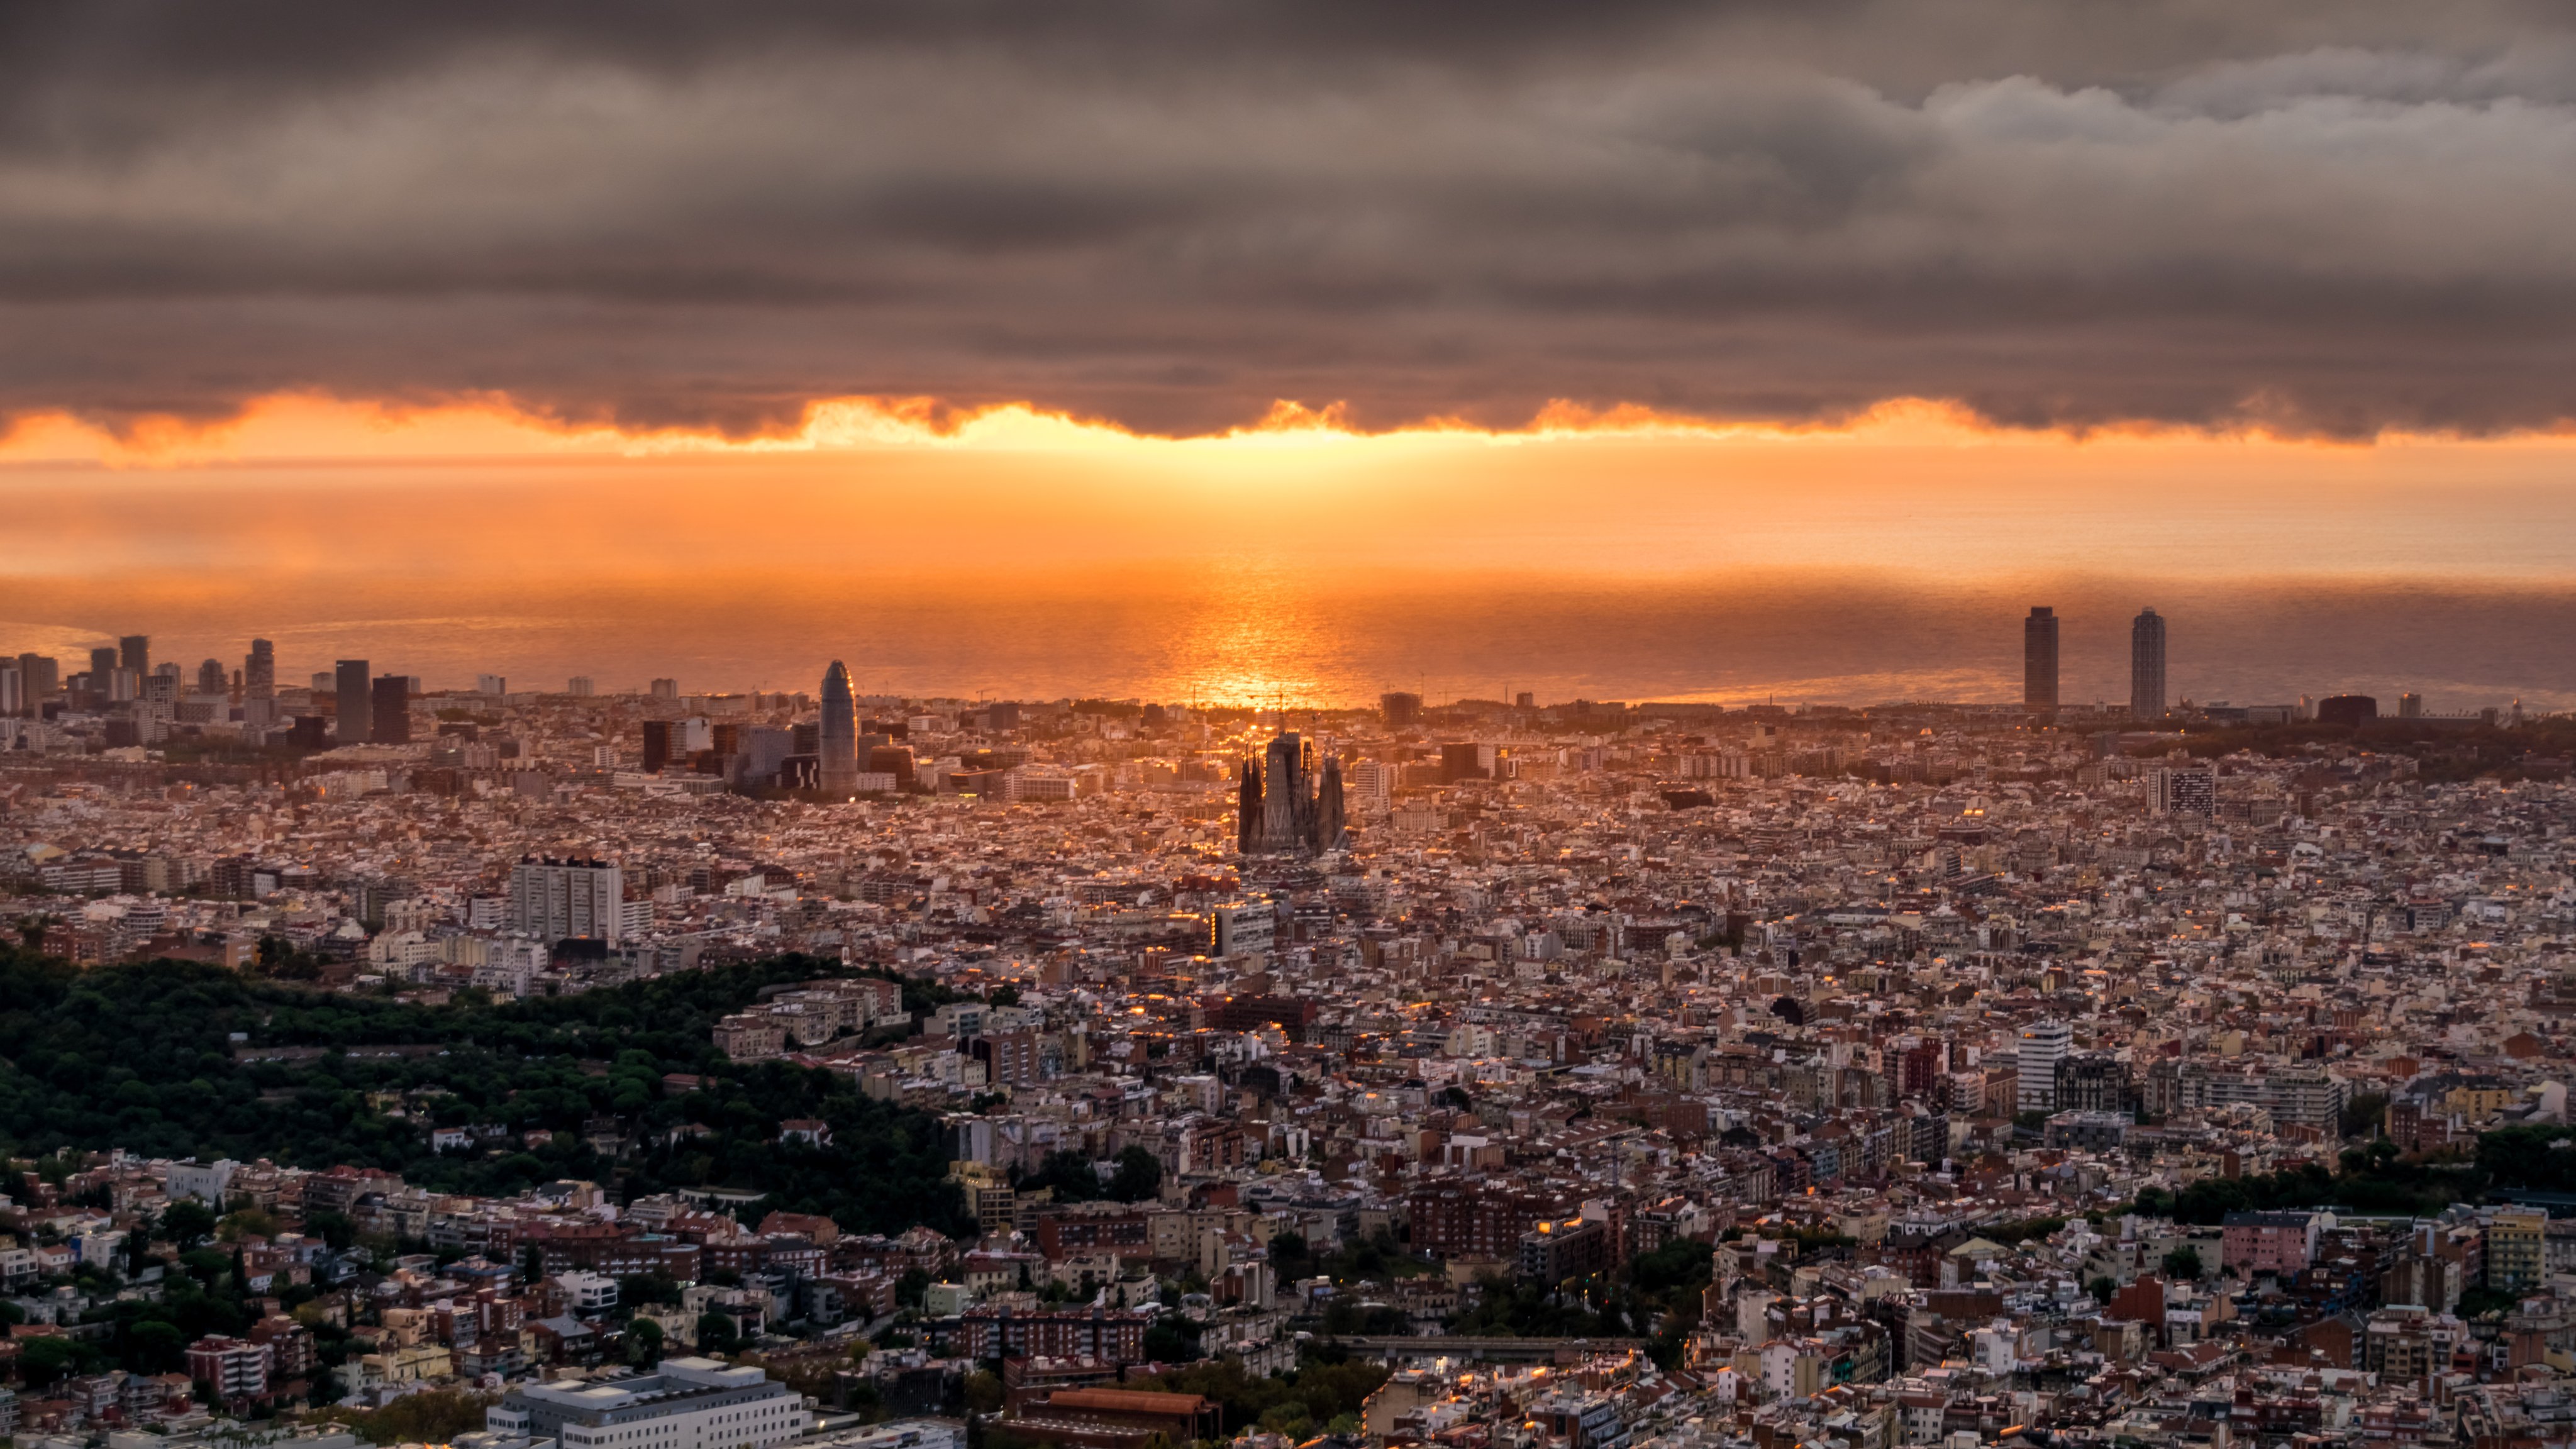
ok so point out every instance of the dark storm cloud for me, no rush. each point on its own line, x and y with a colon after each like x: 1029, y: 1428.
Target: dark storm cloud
x: 2341, y: 217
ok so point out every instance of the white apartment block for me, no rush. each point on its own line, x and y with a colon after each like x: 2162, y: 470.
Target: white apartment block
x: 556, y: 899
x: 204, y: 1181
x: 2042, y: 1046
x: 687, y: 1403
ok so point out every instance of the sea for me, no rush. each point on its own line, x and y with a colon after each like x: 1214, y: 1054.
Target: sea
x: 1480, y: 584
x: 1249, y: 632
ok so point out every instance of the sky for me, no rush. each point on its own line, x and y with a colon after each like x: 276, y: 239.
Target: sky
x: 1962, y: 298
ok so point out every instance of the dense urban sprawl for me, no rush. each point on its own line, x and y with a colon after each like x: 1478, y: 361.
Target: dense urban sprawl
x: 659, y: 1071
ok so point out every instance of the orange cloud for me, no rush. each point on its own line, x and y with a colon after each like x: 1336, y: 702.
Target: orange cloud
x: 304, y: 427
x: 303, y: 484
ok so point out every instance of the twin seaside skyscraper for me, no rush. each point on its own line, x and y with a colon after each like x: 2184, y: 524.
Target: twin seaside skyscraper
x: 2146, y: 663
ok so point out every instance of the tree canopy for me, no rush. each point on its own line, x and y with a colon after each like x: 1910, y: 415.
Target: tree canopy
x: 143, y: 1057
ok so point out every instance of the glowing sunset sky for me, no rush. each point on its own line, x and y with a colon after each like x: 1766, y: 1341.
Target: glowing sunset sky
x: 1919, y: 295
x: 305, y: 483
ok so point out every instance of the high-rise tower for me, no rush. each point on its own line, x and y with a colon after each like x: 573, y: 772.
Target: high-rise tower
x: 39, y: 675
x: 389, y: 711
x: 259, y: 671
x: 356, y: 703
x: 2039, y: 660
x: 2042, y: 1045
x: 838, y: 739
x: 135, y: 652
x: 2147, y: 666
x: 555, y: 899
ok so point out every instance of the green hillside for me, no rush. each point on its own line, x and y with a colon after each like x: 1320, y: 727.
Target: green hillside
x: 144, y: 1057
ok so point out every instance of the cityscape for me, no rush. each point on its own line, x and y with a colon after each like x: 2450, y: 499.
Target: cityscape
x: 1288, y: 725
x: 1069, y: 1071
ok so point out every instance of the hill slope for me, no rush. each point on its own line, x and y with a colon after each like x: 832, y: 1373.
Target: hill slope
x: 143, y: 1057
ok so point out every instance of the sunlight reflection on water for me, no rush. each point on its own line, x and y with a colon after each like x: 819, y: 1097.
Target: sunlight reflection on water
x: 1248, y: 633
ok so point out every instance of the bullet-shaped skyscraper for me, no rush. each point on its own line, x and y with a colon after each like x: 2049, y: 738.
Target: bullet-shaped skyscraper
x: 838, y: 739
x: 2039, y: 660
x: 2147, y: 666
